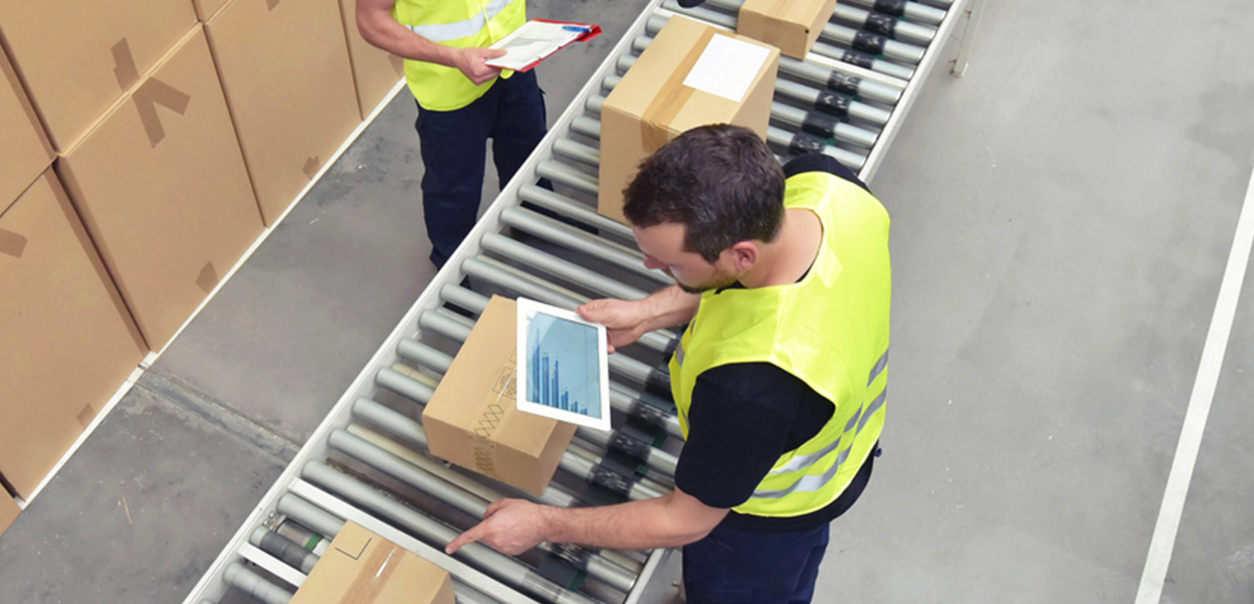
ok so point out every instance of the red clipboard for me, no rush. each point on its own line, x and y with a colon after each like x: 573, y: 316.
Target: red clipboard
x: 591, y: 31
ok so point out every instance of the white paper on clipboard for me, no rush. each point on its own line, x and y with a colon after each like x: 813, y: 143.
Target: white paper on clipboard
x: 532, y: 42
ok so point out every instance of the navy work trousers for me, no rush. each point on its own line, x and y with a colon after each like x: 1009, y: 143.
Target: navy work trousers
x: 454, y: 150
x: 731, y: 566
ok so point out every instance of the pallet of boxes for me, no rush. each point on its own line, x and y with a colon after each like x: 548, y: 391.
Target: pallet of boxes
x: 147, y: 145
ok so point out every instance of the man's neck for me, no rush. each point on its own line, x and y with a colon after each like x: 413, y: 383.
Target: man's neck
x: 787, y: 259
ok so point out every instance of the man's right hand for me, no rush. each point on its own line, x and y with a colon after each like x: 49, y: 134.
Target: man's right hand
x: 471, y: 62
x: 625, y: 321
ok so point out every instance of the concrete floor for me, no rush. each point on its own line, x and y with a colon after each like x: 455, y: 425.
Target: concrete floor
x: 1062, y: 218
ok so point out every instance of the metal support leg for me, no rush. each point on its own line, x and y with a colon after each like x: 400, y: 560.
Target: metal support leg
x: 972, y: 17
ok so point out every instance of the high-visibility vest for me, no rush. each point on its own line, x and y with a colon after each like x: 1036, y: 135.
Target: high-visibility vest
x: 830, y: 329
x: 460, y: 24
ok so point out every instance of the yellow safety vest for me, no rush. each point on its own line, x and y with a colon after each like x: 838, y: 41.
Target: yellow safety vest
x: 460, y: 24
x: 830, y: 330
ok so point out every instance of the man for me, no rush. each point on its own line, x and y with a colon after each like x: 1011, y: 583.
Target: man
x: 462, y: 101
x: 779, y: 378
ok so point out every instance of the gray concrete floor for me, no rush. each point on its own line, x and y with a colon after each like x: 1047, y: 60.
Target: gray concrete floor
x: 1062, y: 216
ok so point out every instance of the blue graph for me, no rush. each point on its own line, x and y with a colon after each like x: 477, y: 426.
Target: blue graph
x: 562, y: 357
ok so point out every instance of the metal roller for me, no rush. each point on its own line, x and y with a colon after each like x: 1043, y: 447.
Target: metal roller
x: 573, y: 209
x: 564, y: 174
x: 913, y: 11
x: 586, y: 126
x: 881, y: 23
x: 428, y: 464
x: 287, y: 551
x: 256, y: 586
x: 575, y: 239
x: 589, y: 156
x: 558, y: 267
x: 494, y: 563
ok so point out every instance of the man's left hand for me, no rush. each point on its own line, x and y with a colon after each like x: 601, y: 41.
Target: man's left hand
x: 510, y: 526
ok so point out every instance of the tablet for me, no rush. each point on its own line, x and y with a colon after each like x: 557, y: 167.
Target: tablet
x: 563, y: 366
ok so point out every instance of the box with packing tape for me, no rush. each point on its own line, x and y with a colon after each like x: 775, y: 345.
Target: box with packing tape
x: 473, y: 421
x: 361, y: 567
x: 792, y: 26
x: 690, y: 75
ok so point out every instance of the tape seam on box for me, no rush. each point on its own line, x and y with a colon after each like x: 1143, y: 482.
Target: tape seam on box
x: 656, y: 119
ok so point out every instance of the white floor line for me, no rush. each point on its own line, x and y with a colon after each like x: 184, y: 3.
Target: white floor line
x: 1159, y: 558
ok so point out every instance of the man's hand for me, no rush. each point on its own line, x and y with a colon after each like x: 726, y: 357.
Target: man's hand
x: 472, y: 63
x: 625, y: 321
x: 510, y: 526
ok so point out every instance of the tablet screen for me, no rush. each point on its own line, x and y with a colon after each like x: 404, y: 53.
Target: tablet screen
x: 564, y: 369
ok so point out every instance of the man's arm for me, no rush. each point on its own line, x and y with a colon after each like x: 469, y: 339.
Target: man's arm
x: 513, y: 526
x: 375, y: 22
x: 627, y: 320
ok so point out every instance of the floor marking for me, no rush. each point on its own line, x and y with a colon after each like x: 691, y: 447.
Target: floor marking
x: 1159, y: 558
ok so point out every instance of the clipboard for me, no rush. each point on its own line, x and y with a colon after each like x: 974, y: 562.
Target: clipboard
x: 537, y: 40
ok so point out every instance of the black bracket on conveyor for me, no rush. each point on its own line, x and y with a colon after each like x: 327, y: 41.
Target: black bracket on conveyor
x: 817, y: 123
x: 560, y: 566
x: 659, y: 382
x: 611, y: 480
x: 833, y: 103
x: 859, y: 58
x: 869, y: 42
x: 844, y: 83
x: 631, y: 441
x: 651, y: 410
x: 803, y: 143
x: 895, y: 8
x: 881, y: 24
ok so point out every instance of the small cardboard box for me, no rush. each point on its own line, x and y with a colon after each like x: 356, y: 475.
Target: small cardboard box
x: 78, y: 58
x: 285, y: 71
x: 8, y: 511
x: 25, y: 153
x: 361, y: 567
x: 375, y: 71
x: 681, y: 81
x: 68, y: 341
x: 472, y: 419
x: 790, y: 25
x: 161, y: 185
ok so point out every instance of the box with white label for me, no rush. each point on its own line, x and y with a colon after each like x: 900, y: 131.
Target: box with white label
x: 691, y: 75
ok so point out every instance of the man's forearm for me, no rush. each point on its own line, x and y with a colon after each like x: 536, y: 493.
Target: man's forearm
x: 643, y: 524
x: 387, y: 34
x: 670, y: 307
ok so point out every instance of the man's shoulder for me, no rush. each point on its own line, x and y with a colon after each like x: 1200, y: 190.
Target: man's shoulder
x: 818, y: 162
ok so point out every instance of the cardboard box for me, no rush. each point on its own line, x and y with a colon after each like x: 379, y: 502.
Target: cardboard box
x: 285, y: 71
x: 25, y: 153
x: 78, y: 58
x: 68, y: 341
x: 472, y: 419
x: 790, y: 25
x: 375, y: 71
x: 208, y: 9
x: 680, y: 82
x: 8, y: 511
x: 162, y: 189
x: 361, y: 567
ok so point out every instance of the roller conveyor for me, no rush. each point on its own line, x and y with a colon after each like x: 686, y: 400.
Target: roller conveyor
x: 368, y: 461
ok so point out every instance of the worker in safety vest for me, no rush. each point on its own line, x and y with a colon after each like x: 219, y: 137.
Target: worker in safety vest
x: 462, y: 102
x: 783, y: 277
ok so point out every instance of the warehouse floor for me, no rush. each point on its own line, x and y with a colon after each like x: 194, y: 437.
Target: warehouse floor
x: 1062, y: 220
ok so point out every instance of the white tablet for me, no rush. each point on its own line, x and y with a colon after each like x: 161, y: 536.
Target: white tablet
x: 563, y: 366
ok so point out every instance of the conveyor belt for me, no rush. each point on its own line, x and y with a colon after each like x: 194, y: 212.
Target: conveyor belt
x: 368, y: 461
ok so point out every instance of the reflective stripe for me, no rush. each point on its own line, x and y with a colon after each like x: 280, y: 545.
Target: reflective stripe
x: 814, y: 483
x: 443, y: 32
x: 679, y: 354
x: 878, y: 368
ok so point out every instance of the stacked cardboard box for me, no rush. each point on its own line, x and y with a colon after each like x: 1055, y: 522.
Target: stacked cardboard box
x: 67, y: 338
x: 790, y: 25
x: 162, y: 188
x: 8, y: 511
x: 375, y: 71
x: 690, y: 75
x: 285, y: 71
x: 363, y: 568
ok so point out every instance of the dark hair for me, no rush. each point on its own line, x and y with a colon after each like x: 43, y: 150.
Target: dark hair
x: 720, y: 181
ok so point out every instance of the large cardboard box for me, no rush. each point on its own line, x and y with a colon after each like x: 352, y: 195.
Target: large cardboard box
x: 285, y: 71
x: 790, y: 25
x: 25, y: 152
x: 78, y: 58
x: 472, y: 419
x: 162, y: 188
x: 690, y: 75
x: 68, y: 341
x: 375, y: 71
x: 361, y: 567
x: 8, y: 511
x: 207, y: 9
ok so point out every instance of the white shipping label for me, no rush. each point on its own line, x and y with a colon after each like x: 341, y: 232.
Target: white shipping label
x: 727, y: 67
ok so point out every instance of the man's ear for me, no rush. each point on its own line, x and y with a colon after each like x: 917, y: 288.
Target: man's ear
x: 745, y: 255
